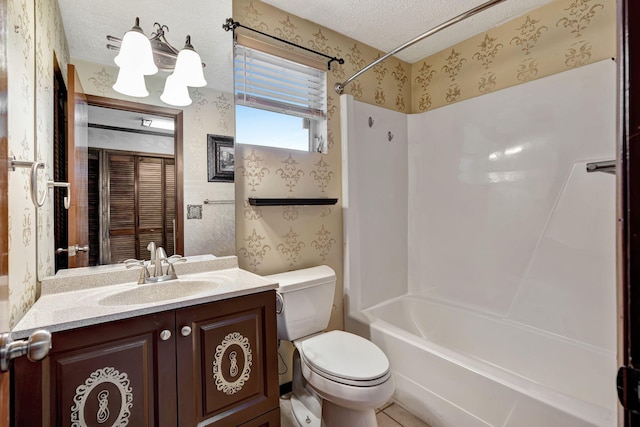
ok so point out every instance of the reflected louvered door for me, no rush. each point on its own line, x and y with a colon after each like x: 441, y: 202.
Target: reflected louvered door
x: 170, y: 205
x: 150, y: 203
x: 122, y: 207
x: 141, y: 205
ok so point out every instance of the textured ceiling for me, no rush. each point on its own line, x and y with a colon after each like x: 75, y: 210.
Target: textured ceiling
x: 87, y: 23
x: 387, y: 24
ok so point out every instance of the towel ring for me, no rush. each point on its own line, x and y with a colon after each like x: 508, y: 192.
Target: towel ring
x: 34, y: 184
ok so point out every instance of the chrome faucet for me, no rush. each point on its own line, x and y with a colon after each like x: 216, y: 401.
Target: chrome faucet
x: 156, y: 272
x: 151, y: 247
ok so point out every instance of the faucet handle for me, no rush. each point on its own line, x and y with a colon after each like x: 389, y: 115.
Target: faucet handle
x: 173, y: 260
x: 144, y: 273
x: 132, y: 262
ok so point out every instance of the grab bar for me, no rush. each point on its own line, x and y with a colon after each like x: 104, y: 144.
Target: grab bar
x: 608, y: 166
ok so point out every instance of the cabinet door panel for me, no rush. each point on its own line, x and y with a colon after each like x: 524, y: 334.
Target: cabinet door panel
x: 227, y: 367
x: 118, y: 373
x: 270, y: 419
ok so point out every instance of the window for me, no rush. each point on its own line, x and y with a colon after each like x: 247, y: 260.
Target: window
x: 279, y: 103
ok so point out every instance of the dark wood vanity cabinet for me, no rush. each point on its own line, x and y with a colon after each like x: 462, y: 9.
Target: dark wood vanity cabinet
x: 227, y: 362
x: 101, y: 375
x: 212, y: 364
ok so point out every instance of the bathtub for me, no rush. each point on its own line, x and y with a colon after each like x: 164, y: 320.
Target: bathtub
x: 459, y: 368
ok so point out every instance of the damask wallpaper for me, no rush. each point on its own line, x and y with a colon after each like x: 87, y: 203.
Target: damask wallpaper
x: 562, y: 35
x: 36, y: 32
x: 276, y: 239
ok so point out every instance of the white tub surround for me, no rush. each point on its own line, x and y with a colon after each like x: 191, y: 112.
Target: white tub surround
x: 73, y: 299
x: 507, y: 316
x: 480, y: 370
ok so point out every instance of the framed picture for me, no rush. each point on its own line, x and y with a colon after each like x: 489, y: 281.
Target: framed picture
x: 220, y: 158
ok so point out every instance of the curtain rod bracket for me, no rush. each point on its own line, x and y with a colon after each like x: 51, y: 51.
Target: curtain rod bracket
x: 231, y: 25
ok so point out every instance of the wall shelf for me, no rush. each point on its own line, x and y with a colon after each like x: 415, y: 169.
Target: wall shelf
x: 254, y: 201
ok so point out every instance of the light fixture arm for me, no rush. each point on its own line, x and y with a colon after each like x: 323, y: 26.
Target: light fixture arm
x: 136, y: 27
x: 187, y: 43
x: 164, y: 54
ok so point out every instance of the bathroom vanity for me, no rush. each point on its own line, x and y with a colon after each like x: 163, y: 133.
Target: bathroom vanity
x: 146, y: 357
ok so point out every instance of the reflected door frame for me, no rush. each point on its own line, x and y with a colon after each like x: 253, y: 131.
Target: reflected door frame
x: 170, y: 113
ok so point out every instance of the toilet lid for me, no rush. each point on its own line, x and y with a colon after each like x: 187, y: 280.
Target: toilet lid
x: 344, y: 355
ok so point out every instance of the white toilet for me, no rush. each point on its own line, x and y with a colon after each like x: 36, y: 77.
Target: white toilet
x: 339, y: 378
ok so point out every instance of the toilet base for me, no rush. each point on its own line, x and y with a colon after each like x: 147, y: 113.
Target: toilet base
x: 306, y: 405
x: 302, y: 414
x: 338, y: 416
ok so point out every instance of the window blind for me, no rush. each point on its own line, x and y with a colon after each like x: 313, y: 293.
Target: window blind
x: 279, y: 85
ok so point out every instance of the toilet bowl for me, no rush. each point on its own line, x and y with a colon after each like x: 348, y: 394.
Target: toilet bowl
x: 339, y: 378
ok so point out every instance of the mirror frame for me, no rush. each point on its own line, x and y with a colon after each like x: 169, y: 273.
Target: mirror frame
x: 170, y: 113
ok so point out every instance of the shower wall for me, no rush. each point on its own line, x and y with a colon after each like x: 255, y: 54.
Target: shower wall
x: 374, y: 200
x: 486, y: 204
x: 502, y: 216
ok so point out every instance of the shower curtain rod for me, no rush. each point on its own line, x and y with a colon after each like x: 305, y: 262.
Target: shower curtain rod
x: 339, y: 87
x: 231, y: 25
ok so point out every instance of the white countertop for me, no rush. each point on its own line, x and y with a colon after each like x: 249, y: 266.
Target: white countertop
x: 87, y: 304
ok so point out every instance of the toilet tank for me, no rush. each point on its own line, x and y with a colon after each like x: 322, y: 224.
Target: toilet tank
x: 307, y: 301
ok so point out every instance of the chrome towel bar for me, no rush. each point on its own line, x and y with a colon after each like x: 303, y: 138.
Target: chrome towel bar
x: 608, y: 166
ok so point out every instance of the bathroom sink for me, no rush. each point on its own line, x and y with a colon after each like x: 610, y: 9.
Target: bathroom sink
x: 159, y: 292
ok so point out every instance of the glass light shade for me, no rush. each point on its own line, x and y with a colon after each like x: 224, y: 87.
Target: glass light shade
x: 135, y: 52
x: 175, y: 93
x: 131, y: 82
x: 189, y: 68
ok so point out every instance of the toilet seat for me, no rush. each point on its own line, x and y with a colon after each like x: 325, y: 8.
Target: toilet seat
x: 345, y: 358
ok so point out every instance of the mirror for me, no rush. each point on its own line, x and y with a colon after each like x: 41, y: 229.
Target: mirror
x: 208, y: 208
x: 132, y: 194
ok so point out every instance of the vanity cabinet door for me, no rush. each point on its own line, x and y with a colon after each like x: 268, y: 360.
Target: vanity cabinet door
x: 227, y: 362
x: 117, y: 373
x: 270, y: 419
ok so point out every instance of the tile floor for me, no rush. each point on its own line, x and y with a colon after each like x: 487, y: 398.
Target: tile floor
x: 391, y: 415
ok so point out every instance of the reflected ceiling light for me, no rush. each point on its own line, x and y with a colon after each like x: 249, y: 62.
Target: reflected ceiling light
x: 139, y: 57
x: 158, y: 124
x: 513, y: 150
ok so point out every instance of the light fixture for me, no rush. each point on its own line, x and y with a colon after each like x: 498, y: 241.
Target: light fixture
x: 139, y: 57
x: 175, y: 92
x: 131, y: 82
x: 189, y: 66
x: 135, y: 52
